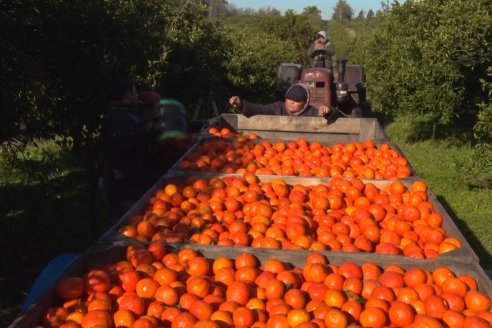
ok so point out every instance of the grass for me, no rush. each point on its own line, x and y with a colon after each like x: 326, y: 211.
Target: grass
x: 47, y: 207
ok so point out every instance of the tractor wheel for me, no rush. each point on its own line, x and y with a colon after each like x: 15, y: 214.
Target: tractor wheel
x: 357, y: 112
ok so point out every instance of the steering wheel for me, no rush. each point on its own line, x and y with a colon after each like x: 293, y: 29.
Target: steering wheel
x: 323, y: 53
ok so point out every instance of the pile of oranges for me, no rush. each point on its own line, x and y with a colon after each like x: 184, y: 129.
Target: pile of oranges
x: 223, y: 132
x: 342, y: 215
x: 301, y: 158
x: 153, y: 287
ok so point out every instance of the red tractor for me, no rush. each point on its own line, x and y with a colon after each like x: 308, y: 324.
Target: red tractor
x: 347, y: 93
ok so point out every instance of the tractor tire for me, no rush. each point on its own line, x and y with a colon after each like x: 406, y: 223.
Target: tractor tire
x: 357, y: 112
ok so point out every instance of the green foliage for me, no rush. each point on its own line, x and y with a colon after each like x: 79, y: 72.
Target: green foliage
x: 259, y: 44
x: 422, y: 61
x: 192, y: 57
x: 253, y: 62
x: 342, y: 12
x: 46, y: 203
x: 296, y: 30
x: 483, y: 128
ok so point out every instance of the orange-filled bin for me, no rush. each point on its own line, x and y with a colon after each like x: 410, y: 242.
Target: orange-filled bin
x: 225, y: 280
x: 367, y: 160
x: 360, y: 217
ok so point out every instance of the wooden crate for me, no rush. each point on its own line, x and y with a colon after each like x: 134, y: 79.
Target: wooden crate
x: 104, y: 253
x: 464, y: 254
x: 289, y: 128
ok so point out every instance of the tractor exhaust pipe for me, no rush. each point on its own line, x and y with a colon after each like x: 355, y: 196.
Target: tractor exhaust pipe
x: 341, y: 86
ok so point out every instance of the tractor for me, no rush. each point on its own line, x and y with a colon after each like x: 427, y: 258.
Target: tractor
x: 346, y: 94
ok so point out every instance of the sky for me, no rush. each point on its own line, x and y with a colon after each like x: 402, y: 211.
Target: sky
x: 326, y: 6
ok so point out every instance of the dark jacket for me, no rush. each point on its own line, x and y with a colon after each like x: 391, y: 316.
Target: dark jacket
x: 126, y: 151
x: 330, y: 52
x: 278, y: 108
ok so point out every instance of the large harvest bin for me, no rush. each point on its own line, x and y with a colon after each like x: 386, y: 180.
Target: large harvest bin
x: 103, y: 255
x: 384, y: 160
x: 180, y: 179
x: 310, y: 128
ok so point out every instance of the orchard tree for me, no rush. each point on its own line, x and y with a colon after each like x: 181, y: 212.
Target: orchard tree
x: 342, y: 11
x: 297, y: 30
x: 217, y: 8
x: 312, y: 11
x: 435, y: 75
x: 253, y: 60
x: 268, y: 11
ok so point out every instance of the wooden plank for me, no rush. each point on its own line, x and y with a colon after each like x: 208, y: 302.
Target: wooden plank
x: 291, y: 123
x: 343, y: 130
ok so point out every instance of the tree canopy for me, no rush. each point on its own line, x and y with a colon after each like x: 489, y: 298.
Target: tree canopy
x: 427, y: 59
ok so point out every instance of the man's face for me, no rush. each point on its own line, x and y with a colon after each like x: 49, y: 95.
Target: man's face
x: 293, y: 106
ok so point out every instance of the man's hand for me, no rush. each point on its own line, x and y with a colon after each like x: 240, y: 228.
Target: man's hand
x: 235, y: 102
x: 323, y: 110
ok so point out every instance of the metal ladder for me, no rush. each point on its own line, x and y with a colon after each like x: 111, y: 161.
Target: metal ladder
x: 198, y: 106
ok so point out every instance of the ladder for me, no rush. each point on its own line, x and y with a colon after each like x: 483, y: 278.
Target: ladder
x: 198, y: 106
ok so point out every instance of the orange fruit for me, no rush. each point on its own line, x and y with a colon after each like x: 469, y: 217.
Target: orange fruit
x: 206, y: 324
x: 298, y: 316
x: 401, y: 314
x: 239, y: 292
x: 296, y: 298
x: 201, y: 310
x: 455, y: 286
x: 167, y: 295
x: 223, y: 318
x: 97, y: 281
x: 426, y: 321
x: 277, y: 321
x: 198, y: 286
x: 435, y: 306
x: 165, y: 276
x: 335, y: 298
x: 477, y: 301
x: 69, y: 288
x: 97, y: 318
x: 55, y: 316
x: 373, y: 317
x: 441, y: 274
x: 184, y: 320
x: 146, y: 287
x: 275, y: 289
x: 132, y: 302
x: 198, y: 266
x: 245, y: 259
x: 243, y: 317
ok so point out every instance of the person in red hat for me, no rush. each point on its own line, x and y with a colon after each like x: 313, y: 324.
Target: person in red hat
x: 296, y: 103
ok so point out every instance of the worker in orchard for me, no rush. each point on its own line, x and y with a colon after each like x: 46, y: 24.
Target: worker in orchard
x: 321, y: 51
x: 133, y: 128
x: 296, y: 103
